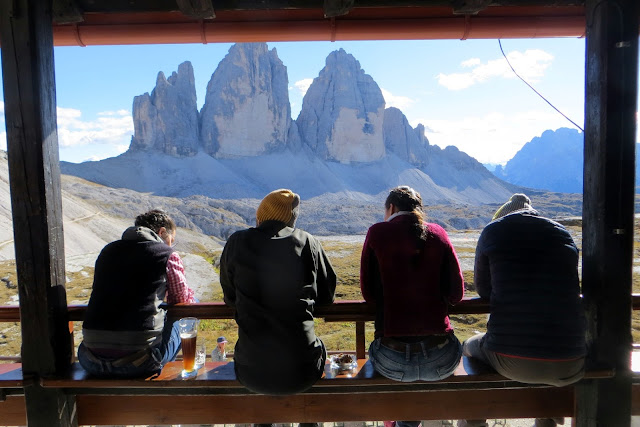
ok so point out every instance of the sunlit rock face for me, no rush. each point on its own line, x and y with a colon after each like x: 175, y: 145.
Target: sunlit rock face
x: 342, y: 113
x: 167, y: 120
x: 410, y: 144
x: 246, y: 111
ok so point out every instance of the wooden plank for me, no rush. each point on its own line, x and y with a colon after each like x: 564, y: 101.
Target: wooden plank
x: 333, y: 8
x: 222, y: 375
x: 340, y: 311
x: 469, y: 7
x: 13, y: 412
x: 609, y: 192
x: 34, y: 174
x: 199, y: 9
x: 66, y: 12
x: 360, y: 340
x: 526, y: 403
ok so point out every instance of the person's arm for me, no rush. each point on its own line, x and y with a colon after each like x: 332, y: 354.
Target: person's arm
x: 177, y: 289
x: 366, y: 283
x: 325, y: 278
x: 226, y: 274
x: 481, y: 270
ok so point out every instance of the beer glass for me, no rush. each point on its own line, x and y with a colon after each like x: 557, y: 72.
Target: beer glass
x: 188, y: 333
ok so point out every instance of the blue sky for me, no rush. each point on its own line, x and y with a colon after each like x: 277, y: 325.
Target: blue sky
x: 462, y: 91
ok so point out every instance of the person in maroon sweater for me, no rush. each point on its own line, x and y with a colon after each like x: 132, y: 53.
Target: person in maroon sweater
x: 410, y: 270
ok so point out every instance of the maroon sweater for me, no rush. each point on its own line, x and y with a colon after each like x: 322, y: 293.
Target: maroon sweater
x: 412, y: 287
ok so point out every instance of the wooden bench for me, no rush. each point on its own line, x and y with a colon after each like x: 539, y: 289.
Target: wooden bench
x: 215, y: 396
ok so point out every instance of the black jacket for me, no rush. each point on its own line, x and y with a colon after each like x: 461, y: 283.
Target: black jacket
x: 274, y: 276
x: 527, y: 267
x: 129, y: 284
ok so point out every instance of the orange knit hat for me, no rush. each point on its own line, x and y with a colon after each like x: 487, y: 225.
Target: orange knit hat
x: 279, y: 205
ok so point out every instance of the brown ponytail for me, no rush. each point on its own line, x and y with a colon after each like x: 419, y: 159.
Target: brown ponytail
x: 407, y: 199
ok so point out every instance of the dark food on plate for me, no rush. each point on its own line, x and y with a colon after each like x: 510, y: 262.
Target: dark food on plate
x: 343, y: 359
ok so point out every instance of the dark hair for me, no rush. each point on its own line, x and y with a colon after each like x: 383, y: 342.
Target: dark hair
x: 407, y: 199
x: 155, y: 219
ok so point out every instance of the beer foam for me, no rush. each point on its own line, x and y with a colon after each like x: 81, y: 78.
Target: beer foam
x: 185, y: 335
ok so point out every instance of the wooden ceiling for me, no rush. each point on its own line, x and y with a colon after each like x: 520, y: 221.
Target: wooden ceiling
x: 103, y: 22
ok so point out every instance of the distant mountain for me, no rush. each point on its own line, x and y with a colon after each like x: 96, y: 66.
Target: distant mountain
x: 553, y: 161
x: 243, y: 142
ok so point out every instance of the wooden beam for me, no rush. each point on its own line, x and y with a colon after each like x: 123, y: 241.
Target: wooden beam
x: 470, y: 7
x: 36, y: 203
x: 199, y: 9
x: 609, y: 191
x: 333, y: 8
x: 66, y: 12
x: 469, y: 404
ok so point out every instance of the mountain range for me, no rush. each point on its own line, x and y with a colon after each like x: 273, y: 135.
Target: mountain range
x: 554, y: 161
x: 345, y: 146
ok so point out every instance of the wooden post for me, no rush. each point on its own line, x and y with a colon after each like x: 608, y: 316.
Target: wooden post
x: 361, y: 349
x: 34, y: 174
x: 609, y: 191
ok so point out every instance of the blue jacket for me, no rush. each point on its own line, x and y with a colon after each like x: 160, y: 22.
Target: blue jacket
x: 527, y: 267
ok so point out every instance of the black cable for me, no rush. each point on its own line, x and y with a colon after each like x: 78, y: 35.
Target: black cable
x: 533, y: 89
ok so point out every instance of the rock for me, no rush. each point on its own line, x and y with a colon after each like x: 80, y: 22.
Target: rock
x: 342, y: 113
x: 246, y: 111
x: 167, y: 120
x: 410, y: 144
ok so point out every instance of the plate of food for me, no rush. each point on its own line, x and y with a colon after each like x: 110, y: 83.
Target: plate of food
x: 343, y: 361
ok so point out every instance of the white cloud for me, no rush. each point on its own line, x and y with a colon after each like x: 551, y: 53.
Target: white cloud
x: 114, y: 113
x: 494, y: 137
x: 303, y: 85
x: 112, y: 128
x: 2, y: 109
x: 470, y: 62
x: 397, y: 101
x: 530, y: 64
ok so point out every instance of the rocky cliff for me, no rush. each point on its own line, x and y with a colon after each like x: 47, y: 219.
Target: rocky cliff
x: 343, y: 143
x: 167, y: 120
x: 410, y: 144
x: 553, y: 161
x: 342, y: 113
x: 246, y: 110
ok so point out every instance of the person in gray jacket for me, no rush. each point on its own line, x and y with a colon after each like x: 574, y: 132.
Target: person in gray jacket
x: 274, y: 275
x: 527, y: 268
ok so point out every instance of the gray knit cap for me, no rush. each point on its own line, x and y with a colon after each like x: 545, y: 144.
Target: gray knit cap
x: 517, y: 202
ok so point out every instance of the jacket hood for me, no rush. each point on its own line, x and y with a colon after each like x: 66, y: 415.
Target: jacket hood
x: 141, y: 234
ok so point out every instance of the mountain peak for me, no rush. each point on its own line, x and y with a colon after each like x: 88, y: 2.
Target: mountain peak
x: 342, y: 112
x: 246, y: 110
x: 167, y: 120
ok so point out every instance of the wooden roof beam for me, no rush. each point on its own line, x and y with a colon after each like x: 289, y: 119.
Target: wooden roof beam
x: 199, y: 9
x: 333, y: 8
x: 66, y: 12
x: 469, y: 7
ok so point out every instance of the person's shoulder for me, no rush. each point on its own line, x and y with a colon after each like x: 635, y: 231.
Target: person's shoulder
x: 437, y: 231
x: 435, y: 228
x: 303, y: 235
x: 379, y: 227
x: 239, y: 235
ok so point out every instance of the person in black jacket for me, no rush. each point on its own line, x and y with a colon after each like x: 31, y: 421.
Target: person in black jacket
x: 274, y: 275
x: 526, y: 266
x: 125, y: 332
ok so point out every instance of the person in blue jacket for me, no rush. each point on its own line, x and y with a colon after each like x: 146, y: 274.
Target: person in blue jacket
x: 526, y: 266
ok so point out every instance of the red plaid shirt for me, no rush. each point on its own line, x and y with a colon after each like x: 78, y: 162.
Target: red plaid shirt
x: 177, y: 288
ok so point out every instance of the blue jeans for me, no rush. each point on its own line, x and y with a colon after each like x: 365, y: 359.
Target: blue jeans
x: 433, y: 363
x: 430, y: 364
x: 165, y: 352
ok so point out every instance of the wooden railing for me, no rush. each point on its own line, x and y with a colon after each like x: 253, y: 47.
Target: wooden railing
x: 107, y: 401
